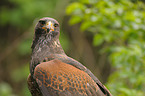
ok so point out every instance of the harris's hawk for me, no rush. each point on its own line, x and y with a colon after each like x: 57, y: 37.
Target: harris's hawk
x: 52, y: 72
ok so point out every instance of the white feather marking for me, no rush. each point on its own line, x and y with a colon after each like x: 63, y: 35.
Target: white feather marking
x: 39, y: 49
x: 55, y: 43
x: 88, y: 84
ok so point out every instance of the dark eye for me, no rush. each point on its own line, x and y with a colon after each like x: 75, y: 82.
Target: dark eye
x: 42, y: 22
x: 55, y: 25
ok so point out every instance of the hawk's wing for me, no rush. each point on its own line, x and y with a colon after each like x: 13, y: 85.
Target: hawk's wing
x: 56, y: 78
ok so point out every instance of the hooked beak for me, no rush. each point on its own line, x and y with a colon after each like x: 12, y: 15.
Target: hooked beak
x: 49, y: 25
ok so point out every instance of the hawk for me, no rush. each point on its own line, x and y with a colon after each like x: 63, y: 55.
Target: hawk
x: 52, y: 72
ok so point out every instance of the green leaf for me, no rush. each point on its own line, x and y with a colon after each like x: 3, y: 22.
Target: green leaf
x: 85, y: 1
x: 85, y: 25
x: 75, y: 19
x: 73, y: 7
x: 89, y: 1
x: 98, y: 39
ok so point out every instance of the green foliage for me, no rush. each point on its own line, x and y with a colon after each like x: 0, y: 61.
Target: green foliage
x: 120, y: 24
x: 17, y: 16
x: 5, y: 89
x: 25, y: 12
x: 21, y: 73
x: 98, y: 39
x: 25, y: 47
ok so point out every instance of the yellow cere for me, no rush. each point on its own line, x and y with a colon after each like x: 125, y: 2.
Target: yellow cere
x: 49, y: 25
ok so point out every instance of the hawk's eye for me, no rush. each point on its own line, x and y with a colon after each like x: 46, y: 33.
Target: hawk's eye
x: 42, y: 22
x: 55, y: 25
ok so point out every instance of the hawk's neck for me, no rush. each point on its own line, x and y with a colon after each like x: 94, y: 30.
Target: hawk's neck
x: 44, y: 49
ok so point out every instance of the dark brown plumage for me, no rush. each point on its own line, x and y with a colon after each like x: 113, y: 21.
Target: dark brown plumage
x: 52, y: 72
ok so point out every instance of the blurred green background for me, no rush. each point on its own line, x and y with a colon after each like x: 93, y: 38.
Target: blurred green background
x: 107, y: 36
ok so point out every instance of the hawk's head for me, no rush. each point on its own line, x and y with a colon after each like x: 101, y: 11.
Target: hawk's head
x: 47, y: 27
x: 46, y: 30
